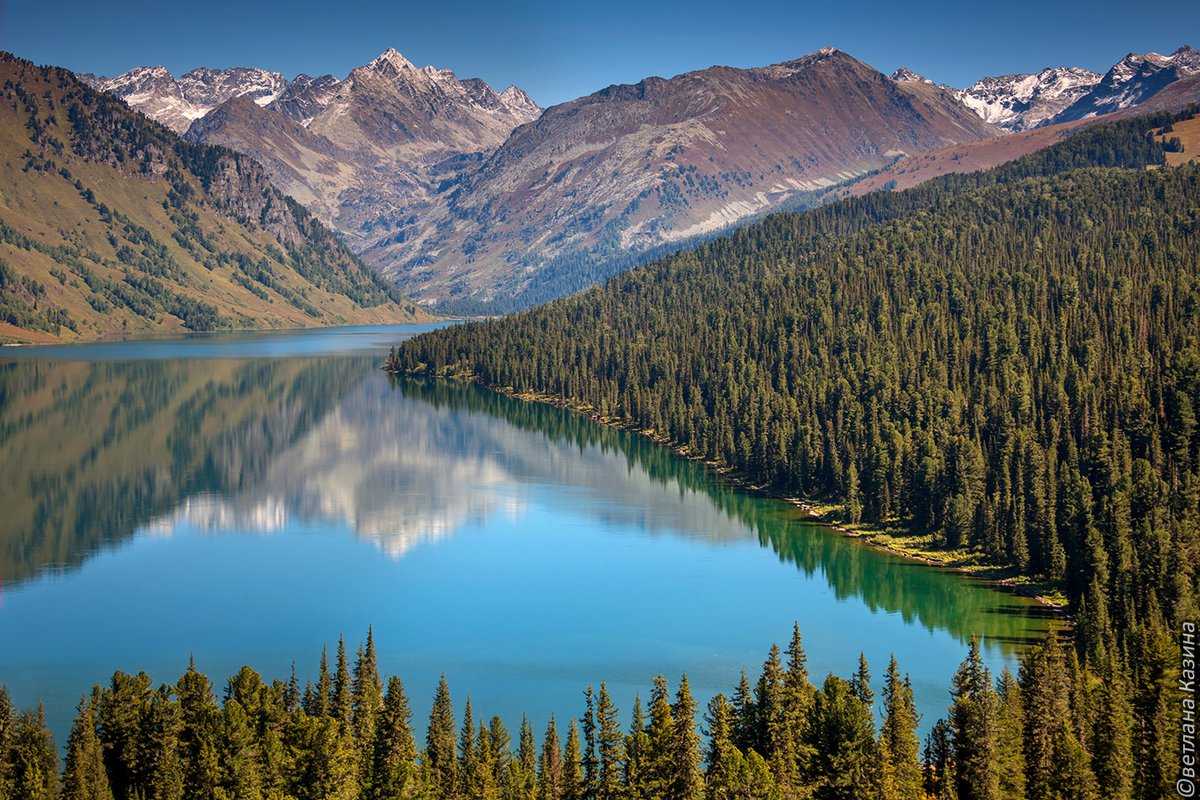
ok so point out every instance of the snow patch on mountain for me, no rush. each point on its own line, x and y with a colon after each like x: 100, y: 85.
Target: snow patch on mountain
x: 1020, y: 102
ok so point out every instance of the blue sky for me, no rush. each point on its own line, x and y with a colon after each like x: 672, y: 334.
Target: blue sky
x: 560, y: 50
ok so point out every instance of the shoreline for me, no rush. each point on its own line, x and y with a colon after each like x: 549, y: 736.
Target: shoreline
x: 871, y: 538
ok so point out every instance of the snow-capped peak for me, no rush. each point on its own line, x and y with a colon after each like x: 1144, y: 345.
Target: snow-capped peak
x: 390, y: 60
x: 520, y: 104
x: 1023, y: 101
x: 904, y: 74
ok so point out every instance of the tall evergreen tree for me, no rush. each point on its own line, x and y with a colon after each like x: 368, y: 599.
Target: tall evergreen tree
x: 686, y: 781
x: 394, y: 774
x: 610, y: 746
x: 550, y: 765
x: 898, y: 736
x: 440, y: 772
x: 573, y: 782
x: 33, y: 758
x: 974, y: 719
x: 1010, y: 736
x: 84, y: 777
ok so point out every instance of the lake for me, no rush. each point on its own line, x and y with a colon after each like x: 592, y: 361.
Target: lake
x: 249, y: 498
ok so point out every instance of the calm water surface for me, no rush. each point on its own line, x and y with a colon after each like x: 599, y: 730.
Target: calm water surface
x: 246, y: 499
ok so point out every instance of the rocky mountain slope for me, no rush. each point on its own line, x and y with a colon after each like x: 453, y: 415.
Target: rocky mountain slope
x: 1065, y: 94
x: 1132, y: 81
x: 177, y: 103
x: 635, y: 167
x: 369, y: 152
x: 1021, y: 102
x: 112, y: 224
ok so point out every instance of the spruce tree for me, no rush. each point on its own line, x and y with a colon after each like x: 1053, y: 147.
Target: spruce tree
x: 1010, y: 735
x: 974, y: 719
x: 84, y: 777
x: 610, y: 747
x: 366, y: 700
x: 686, y: 781
x: 440, y: 758
x: 394, y: 771
x: 550, y: 765
x: 659, y: 741
x: 470, y: 780
x: 572, y: 782
x: 591, y: 762
x: 239, y: 754
x: 198, y: 734
x: 898, y: 736
x: 637, y: 745
x: 33, y: 758
x: 343, y: 706
x: 744, y: 714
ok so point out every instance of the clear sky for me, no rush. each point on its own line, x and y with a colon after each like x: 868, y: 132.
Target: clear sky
x: 560, y: 50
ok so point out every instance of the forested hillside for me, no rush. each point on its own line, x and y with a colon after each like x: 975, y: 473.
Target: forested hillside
x: 349, y: 736
x: 1006, y: 362
x: 111, y: 224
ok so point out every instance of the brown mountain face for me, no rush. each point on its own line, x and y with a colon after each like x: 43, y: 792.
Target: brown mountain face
x: 367, y: 154
x: 636, y: 167
x: 110, y: 224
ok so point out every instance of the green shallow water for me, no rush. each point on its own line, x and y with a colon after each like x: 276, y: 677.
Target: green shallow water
x: 248, y: 499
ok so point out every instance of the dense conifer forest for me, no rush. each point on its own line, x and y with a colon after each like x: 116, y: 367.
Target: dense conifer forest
x: 350, y: 735
x: 1007, y: 361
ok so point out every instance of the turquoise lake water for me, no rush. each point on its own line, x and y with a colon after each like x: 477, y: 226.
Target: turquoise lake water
x: 249, y: 498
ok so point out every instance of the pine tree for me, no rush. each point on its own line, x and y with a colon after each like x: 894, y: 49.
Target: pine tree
x: 343, y: 706
x: 33, y: 758
x: 973, y: 717
x: 1112, y: 744
x: 860, y: 684
x: 591, y: 762
x: 637, y: 745
x: 744, y: 715
x: 121, y: 713
x: 200, y: 722
x: 659, y: 741
x: 572, y: 782
x: 366, y: 700
x: 939, y: 762
x: 84, y: 777
x: 321, y: 701
x: 470, y: 780
x: 898, y: 736
x: 239, y: 754
x: 610, y: 746
x: 1010, y: 751
x: 843, y: 738
x: 394, y: 771
x: 440, y: 759
x: 550, y: 765
x: 501, y: 743
x: 522, y: 773
x: 686, y: 781
x: 771, y: 726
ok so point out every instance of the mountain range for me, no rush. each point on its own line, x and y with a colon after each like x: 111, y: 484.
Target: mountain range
x: 1065, y: 94
x: 479, y: 200
x: 110, y: 224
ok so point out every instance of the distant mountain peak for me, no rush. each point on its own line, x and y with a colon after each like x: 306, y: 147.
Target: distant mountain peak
x: 907, y: 75
x: 390, y: 61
